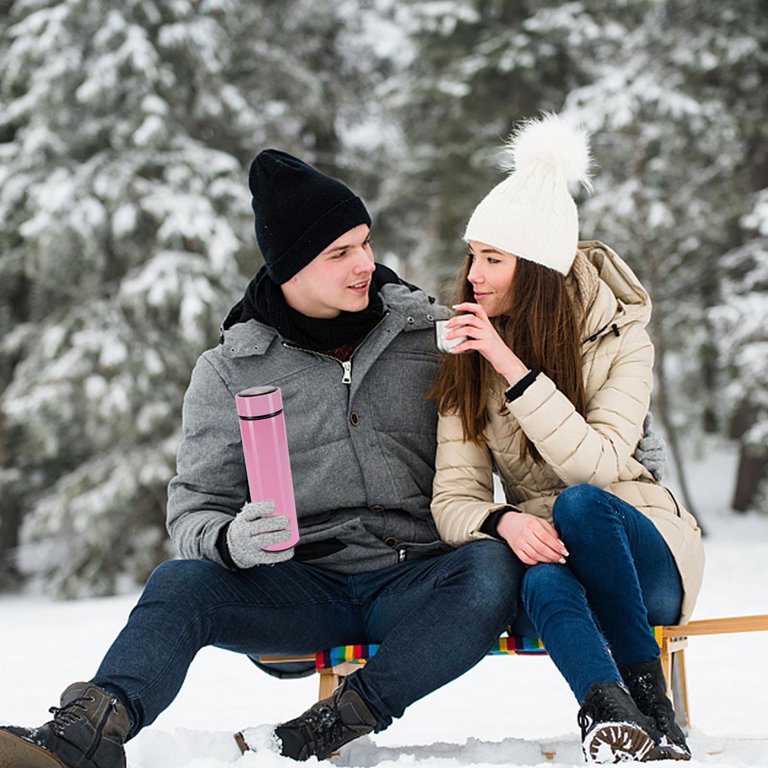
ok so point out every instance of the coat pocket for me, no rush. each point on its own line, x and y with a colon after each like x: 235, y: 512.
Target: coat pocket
x: 347, y: 547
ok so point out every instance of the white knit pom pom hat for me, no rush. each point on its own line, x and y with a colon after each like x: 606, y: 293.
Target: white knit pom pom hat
x: 531, y: 214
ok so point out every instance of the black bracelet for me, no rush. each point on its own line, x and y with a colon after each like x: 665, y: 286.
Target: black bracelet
x: 515, y: 390
x: 490, y: 524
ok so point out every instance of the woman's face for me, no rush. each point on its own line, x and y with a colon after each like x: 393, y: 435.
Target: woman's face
x: 491, y: 273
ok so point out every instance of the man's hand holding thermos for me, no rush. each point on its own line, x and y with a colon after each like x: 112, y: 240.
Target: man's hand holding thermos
x: 266, y: 529
x: 255, y: 528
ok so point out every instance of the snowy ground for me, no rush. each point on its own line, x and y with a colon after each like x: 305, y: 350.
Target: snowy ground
x: 506, y: 711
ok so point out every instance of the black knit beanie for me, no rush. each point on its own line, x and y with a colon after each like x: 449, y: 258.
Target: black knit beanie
x: 298, y: 211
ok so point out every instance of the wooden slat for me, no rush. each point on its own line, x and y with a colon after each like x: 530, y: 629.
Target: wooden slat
x: 672, y: 641
x: 717, y: 626
x: 287, y: 657
x: 698, y: 627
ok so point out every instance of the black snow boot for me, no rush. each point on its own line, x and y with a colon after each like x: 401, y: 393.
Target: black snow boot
x: 326, y: 726
x: 612, y: 727
x: 648, y: 688
x: 88, y: 730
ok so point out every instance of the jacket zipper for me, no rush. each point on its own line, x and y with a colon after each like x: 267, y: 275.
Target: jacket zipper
x: 346, y: 365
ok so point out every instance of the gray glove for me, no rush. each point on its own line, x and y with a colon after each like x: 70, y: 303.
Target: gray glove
x: 651, y: 451
x: 254, y: 528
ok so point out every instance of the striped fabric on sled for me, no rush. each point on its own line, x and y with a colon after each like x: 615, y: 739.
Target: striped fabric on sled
x: 519, y: 645
x: 359, y: 654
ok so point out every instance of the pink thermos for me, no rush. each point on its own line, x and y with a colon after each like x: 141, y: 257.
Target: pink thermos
x: 265, y: 447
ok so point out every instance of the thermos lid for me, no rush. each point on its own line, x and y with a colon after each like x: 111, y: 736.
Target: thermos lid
x: 259, y: 402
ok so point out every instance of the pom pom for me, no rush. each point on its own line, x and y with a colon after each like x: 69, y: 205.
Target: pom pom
x: 551, y: 143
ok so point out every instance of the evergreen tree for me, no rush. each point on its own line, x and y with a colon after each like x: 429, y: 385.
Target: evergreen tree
x: 727, y: 54
x: 121, y: 243
x: 125, y: 134
x: 478, y: 68
x: 673, y: 92
x: 742, y: 325
x: 671, y: 187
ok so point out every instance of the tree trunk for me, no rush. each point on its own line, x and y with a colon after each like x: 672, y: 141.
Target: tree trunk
x: 664, y: 411
x: 753, y: 466
x: 648, y: 256
x: 10, y: 521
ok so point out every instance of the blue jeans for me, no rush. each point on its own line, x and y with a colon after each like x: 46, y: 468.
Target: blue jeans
x: 619, y: 578
x: 459, y: 602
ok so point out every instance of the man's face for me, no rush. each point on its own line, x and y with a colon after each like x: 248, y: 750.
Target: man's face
x: 336, y: 280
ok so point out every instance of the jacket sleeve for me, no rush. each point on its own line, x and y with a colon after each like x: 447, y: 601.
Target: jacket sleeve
x: 597, y: 448
x: 210, y: 486
x: 462, y: 493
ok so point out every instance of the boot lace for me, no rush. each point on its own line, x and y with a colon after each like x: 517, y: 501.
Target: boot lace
x: 662, y: 716
x: 601, y: 707
x: 654, y: 703
x: 322, y: 727
x: 68, y: 714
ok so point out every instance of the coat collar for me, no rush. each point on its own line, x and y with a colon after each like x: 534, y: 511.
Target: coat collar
x: 407, y: 310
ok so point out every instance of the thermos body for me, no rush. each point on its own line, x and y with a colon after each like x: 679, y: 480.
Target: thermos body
x: 265, y: 448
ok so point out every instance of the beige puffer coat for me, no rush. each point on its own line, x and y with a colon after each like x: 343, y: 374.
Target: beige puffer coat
x: 617, y: 364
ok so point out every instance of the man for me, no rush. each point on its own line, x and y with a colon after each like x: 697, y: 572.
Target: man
x: 352, y: 349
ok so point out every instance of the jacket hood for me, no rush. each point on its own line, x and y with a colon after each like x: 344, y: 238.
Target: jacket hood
x: 417, y: 307
x: 620, y: 297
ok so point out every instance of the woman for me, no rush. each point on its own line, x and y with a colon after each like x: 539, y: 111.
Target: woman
x: 549, y: 389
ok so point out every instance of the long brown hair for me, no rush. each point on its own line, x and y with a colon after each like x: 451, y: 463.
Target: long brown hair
x: 543, y: 329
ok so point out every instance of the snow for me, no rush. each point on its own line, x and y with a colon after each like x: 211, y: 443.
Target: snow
x: 506, y: 711
x: 758, y: 218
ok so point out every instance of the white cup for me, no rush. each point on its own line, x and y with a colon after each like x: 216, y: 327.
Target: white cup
x: 443, y: 344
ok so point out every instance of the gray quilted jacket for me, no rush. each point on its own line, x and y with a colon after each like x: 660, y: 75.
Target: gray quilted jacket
x: 361, y: 437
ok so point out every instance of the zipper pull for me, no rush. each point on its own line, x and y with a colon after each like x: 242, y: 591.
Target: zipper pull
x: 347, y: 377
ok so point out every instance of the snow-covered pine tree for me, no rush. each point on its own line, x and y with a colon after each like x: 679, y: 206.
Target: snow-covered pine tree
x: 125, y: 134
x: 670, y: 89
x: 727, y: 53
x: 670, y: 189
x: 477, y: 69
x: 121, y: 236
x: 742, y: 325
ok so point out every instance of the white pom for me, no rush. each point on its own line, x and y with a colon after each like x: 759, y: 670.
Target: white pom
x: 551, y: 143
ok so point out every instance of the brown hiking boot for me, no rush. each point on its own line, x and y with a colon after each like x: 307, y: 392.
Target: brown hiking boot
x: 87, y: 731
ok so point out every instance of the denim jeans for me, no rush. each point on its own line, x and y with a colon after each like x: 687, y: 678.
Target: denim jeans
x: 619, y: 579
x: 454, y: 604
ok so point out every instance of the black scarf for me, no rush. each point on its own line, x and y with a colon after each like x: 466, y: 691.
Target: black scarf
x: 264, y: 301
